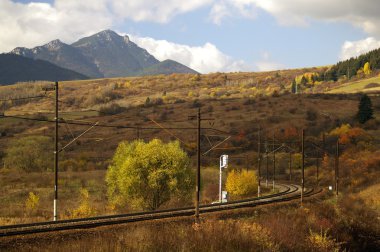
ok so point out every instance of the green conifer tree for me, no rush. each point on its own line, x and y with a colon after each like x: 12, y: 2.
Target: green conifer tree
x: 365, y: 111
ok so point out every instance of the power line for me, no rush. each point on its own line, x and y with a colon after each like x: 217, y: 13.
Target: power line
x: 73, y: 122
x: 24, y: 98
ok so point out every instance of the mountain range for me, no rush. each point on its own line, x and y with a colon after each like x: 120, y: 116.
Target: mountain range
x: 104, y: 54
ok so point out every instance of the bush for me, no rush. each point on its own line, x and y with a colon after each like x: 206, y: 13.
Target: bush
x: 84, y: 209
x: 274, y: 119
x: 372, y: 85
x: 275, y: 94
x: 196, y: 104
x: 32, y: 202
x: 31, y: 154
x: 322, y: 242
x: 241, y: 183
x: 112, y: 109
x: 293, y: 110
x: 311, y: 114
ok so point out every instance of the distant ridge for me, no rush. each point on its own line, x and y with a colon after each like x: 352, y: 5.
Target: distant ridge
x: 166, y: 67
x: 104, y: 54
x: 16, y: 68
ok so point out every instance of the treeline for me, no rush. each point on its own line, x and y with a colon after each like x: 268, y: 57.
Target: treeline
x: 354, y: 66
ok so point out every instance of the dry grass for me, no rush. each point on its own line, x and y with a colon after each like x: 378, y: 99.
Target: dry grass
x: 371, y: 197
x: 16, y: 187
x: 318, y: 226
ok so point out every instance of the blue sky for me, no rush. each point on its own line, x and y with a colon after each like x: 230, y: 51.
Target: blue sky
x: 207, y: 35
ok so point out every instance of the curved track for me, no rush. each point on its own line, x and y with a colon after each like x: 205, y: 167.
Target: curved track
x: 288, y: 192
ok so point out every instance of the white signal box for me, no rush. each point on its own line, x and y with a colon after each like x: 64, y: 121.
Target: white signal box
x: 224, y: 196
x: 224, y: 161
x: 223, y: 165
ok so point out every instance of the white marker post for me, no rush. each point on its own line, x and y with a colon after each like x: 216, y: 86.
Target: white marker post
x: 223, y: 164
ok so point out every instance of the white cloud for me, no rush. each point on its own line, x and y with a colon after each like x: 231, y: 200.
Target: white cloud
x: 218, y: 12
x: 356, y: 48
x: 363, y: 14
x: 231, y: 8
x: 263, y: 66
x: 205, y: 59
x: 36, y: 23
x: 267, y: 64
x: 155, y: 10
x: 33, y: 24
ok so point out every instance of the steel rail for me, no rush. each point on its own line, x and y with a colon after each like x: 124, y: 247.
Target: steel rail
x: 84, y: 223
x: 287, y: 190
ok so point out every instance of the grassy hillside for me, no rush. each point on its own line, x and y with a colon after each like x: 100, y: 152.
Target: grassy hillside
x: 234, y: 106
x: 369, y: 85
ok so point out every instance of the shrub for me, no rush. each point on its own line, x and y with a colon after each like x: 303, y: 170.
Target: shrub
x: 322, y: 242
x: 241, y: 183
x: 275, y: 94
x: 274, y: 119
x: 32, y: 202
x: 196, y: 104
x: 372, y: 85
x: 249, y: 101
x: 112, y: 109
x: 84, y: 209
x: 311, y: 114
x: 292, y: 110
x: 31, y: 153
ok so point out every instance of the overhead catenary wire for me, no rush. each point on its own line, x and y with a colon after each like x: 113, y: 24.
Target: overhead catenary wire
x: 71, y: 122
x: 23, y: 98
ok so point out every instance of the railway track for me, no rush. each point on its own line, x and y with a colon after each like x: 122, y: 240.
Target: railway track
x: 288, y: 193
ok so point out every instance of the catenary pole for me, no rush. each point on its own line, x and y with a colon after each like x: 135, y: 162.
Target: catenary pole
x: 274, y: 163
x: 198, y: 179
x: 290, y: 166
x: 259, y: 164
x: 303, y: 164
x: 337, y: 168
x: 56, y: 154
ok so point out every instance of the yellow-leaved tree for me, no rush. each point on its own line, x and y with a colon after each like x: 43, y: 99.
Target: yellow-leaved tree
x: 241, y: 183
x: 367, y: 68
x: 146, y: 175
x: 84, y: 209
x: 32, y: 203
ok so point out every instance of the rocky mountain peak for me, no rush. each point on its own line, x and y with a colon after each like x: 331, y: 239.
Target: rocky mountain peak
x: 54, y: 45
x: 21, y: 51
x: 104, y: 54
x: 126, y: 39
x: 107, y: 35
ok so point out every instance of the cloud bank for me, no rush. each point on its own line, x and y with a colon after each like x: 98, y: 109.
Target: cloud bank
x: 205, y: 59
x: 33, y: 24
x: 355, y: 48
x: 36, y: 23
x: 363, y: 14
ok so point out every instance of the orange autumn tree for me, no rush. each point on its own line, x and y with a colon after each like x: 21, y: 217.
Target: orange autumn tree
x: 347, y: 134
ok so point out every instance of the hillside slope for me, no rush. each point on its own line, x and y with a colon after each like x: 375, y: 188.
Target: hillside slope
x: 166, y: 67
x: 15, y: 68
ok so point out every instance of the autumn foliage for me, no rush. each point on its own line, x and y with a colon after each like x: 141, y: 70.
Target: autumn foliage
x: 348, y: 135
x: 241, y: 183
